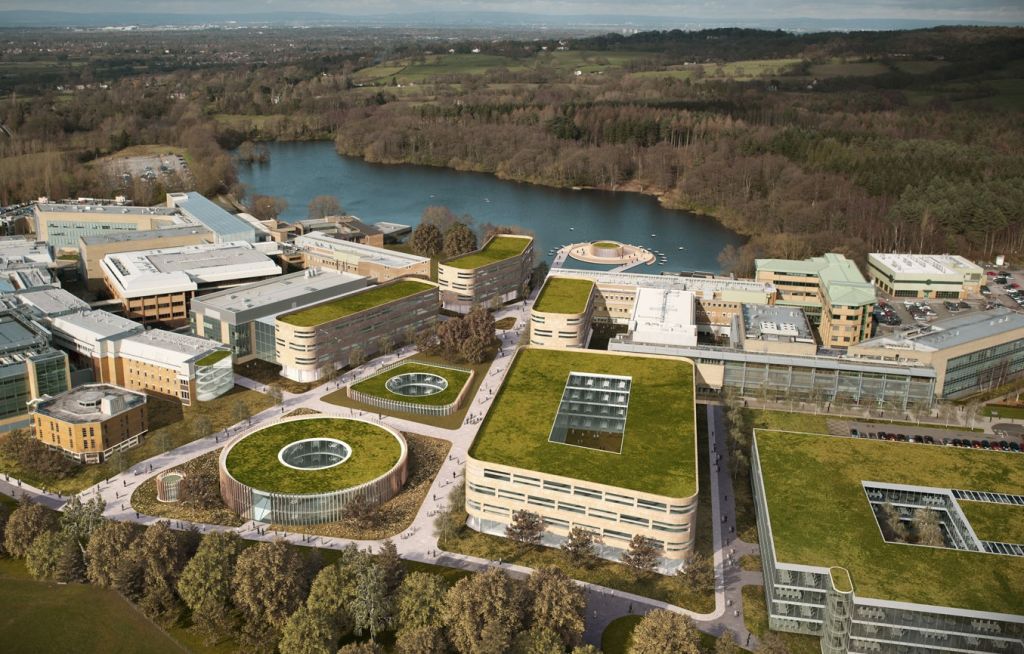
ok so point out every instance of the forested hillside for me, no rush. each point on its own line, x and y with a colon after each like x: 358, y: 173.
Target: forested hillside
x: 850, y: 142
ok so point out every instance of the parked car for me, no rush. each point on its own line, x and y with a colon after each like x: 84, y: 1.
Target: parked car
x: 929, y: 440
x: 1014, y: 447
x: 985, y: 290
x: 855, y: 433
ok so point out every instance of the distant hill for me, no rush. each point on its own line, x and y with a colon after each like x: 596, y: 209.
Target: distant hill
x: 33, y: 18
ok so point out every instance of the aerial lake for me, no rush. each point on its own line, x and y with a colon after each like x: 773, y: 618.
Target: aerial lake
x: 298, y: 172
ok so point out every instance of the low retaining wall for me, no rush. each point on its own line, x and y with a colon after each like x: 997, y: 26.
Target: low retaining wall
x: 402, y: 406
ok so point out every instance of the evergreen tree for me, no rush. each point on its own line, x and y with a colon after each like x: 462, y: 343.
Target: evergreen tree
x: 163, y: 555
x: 371, y: 606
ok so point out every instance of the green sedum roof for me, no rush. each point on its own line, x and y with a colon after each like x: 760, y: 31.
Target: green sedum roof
x: 376, y: 385
x: 214, y: 357
x: 498, y: 248
x: 658, y: 448
x: 820, y: 516
x: 564, y: 295
x: 355, y: 302
x: 253, y: 460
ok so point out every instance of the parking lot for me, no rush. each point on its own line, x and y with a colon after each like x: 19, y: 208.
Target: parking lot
x: 935, y: 436
x: 149, y: 167
x: 900, y: 314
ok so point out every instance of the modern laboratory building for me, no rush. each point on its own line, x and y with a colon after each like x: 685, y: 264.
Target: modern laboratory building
x: 601, y: 441
x: 29, y: 366
x: 92, y: 248
x: 835, y: 568
x: 320, y: 250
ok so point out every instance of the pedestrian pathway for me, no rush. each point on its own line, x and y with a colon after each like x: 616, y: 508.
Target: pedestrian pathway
x: 418, y: 542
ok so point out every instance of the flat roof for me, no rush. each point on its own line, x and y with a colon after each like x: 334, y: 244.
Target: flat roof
x: 564, y: 295
x: 214, y: 218
x: 177, y: 269
x: 658, y: 453
x: 15, y: 334
x: 267, y: 292
x: 927, y: 264
x: 820, y: 516
x: 106, y: 209
x: 53, y: 301
x: 167, y: 347
x: 772, y: 322
x: 15, y: 250
x: 951, y: 332
x: 841, y: 281
x: 699, y: 285
x: 96, y: 323
x: 348, y: 250
x: 665, y: 316
x: 498, y: 248
x: 144, y: 235
x: 90, y: 403
x: 355, y: 302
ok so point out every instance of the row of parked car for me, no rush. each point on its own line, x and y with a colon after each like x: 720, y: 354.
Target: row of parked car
x: 983, y: 444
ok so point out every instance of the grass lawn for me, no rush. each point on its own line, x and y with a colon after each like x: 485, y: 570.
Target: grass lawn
x: 849, y: 69
x: 81, y: 618
x: 755, y: 616
x: 1003, y: 411
x: 453, y: 421
x: 839, y: 528
x: 608, y: 573
x: 658, y: 453
x: 354, y: 303
x: 809, y: 423
x: 269, y: 374
x: 426, y: 456
x: 170, y: 426
x: 376, y: 385
x: 253, y: 461
x: 564, y: 295
x: 990, y: 521
x: 496, y: 249
x: 505, y: 323
x: 615, y: 639
x: 606, y: 244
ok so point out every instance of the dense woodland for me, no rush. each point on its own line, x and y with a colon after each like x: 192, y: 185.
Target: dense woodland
x: 922, y: 157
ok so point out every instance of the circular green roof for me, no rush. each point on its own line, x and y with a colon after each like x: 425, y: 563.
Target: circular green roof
x: 254, y: 460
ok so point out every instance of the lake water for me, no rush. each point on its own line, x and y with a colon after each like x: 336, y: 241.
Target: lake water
x: 298, y: 172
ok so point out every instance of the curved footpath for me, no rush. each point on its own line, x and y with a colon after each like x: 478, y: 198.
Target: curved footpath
x: 418, y: 542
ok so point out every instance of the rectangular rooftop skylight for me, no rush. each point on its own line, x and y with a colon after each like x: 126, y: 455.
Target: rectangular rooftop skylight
x: 592, y: 412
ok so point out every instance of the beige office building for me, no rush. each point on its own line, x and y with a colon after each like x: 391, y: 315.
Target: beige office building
x: 90, y: 423
x: 333, y: 253
x: 561, y: 316
x: 321, y: 338
x: 830, y: 289
x: 497, y: 273
x: 92, y: 248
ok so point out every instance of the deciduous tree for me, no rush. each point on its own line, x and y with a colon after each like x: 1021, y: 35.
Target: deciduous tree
x: 427, y: 240
x: 480, y: 324
x: 164, y: 555
x: 558, y: 604
x: 307, y: 632
x: 267, y: 207
x: 459, y: 239
x: 26, y: 523
x: 484, y: 612
x: 55, y: 555
x: 269, y: 584
x: 726, y: 644
x: 324, y: 205
x: 663, y: 631
x: 205, y: 583
x: 698, y: 575
x: 641, y: 555
x: 927, y: 528
x: 580, y: 547
x: 420, y: 610
x: 526, y: 528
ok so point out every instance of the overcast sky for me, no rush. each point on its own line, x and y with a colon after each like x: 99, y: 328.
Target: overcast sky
x: 951, y: 10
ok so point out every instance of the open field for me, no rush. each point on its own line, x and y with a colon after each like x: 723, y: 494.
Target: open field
x: 80, y: 615
x: 848, y: 69
x: 736, y: 70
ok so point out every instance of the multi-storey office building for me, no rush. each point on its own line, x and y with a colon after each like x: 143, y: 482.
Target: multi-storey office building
x: 244, y: 317
x: 926, y: 276
x: 29, y: 367
x: 51, y: 302
x: 835, y: 567
x: 498, y: 272
x: 831, y: 291
x: 62, y: 225
x: 89, y: 423
x: 562, y: 314
x: 969, y: 353
x: 156, y: 286
x: 94, y: 247
x: 331, y: 335
x: 594, y: 440
x: 226, y: 227
x: 121, y: 352
x: 324, y: 251
x: 345, y: 228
